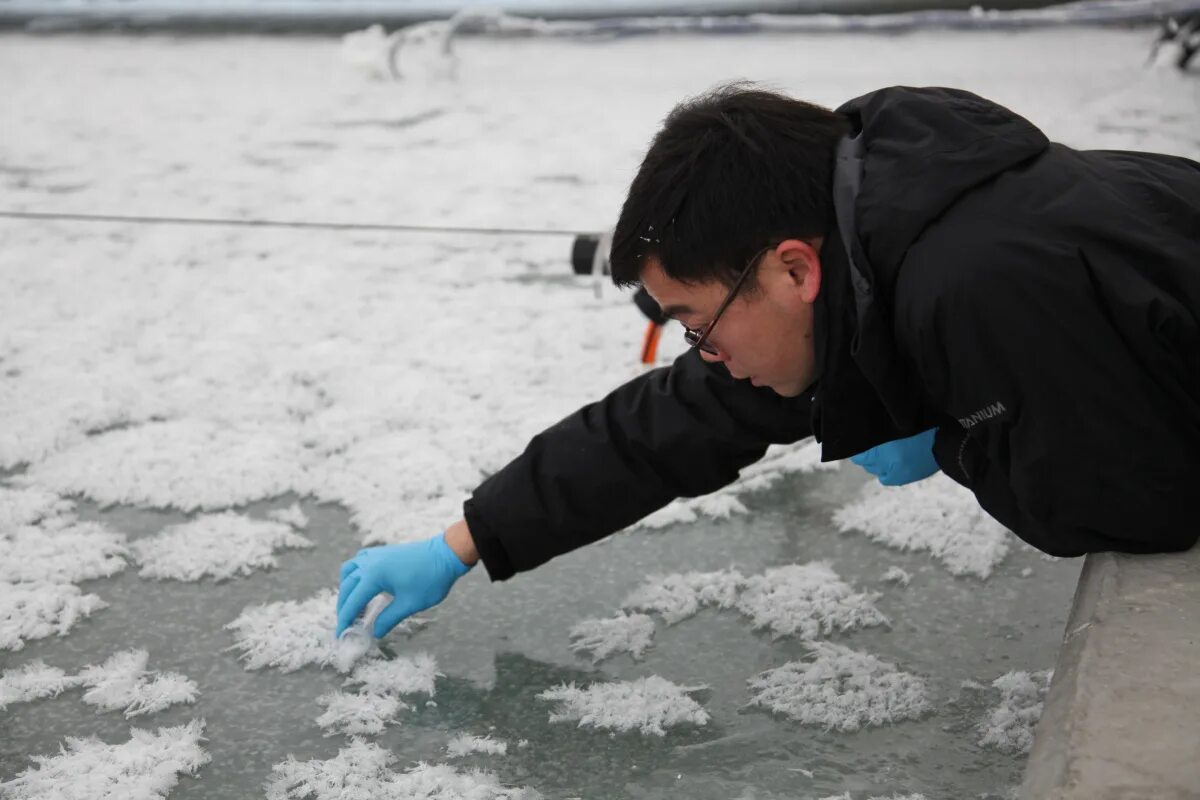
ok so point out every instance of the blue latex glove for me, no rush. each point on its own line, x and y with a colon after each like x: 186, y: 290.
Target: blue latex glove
x: 901, y: 461
x: 418, y: 575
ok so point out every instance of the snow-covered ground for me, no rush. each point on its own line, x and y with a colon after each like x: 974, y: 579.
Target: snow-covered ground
x: 170, y: 394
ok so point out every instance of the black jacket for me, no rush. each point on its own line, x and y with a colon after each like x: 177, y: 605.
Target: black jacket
x: 1039, y: 305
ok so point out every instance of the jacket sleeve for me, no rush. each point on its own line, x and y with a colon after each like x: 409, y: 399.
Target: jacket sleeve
x: 678, y: 431
x: 1069, y: 429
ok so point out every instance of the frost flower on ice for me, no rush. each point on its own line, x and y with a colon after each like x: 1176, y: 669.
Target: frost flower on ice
x: 32, y: 681
x: 466, y: 744
x: 649, y: 705
x: 624, y: 633
x: 378, y: 700
x: 122, y: 682
x: 217, y: 546
x: 806, y: 600
x: 840, y: 689
x: 1009, y: 726
x: 936, y: 515
x: 37, y: 610
x: 361, y: 771
x: 144, y: 768
x: 677, y: 596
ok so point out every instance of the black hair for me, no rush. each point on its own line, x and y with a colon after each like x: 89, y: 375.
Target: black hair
x: 730, y: 172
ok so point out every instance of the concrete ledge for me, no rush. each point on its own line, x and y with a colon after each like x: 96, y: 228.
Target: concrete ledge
x: 1122, y: 719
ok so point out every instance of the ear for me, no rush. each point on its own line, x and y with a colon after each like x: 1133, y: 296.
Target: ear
x: 801, y: 262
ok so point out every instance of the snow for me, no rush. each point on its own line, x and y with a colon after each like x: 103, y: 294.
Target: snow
x: 648, y: 705
x: 361, y: 771
x: 896, y: 575
x: 217, y: 546
x: 935, y: 515
x: 1008, y: 727
x: 37, y: 610
x: 467, y: 744
x: 145, y: 767
x: 841, y: 689
x: 32, y: 681
x: 123, y: 682
x: 20, y: 507
x: 677, y: 596
x: 808, y: 601
x: 623, y: 633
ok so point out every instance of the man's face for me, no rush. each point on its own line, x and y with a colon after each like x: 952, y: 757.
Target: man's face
x: 766, y: 333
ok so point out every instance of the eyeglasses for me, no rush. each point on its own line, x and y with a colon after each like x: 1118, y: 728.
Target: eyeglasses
x: 699, y: 339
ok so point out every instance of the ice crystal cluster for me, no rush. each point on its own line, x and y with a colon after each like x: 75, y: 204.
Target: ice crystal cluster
x: 648, y: 705
x: 362, y: 771
x: 466, y: 745
x: 623, y: 633
x: 217, y: 546
x: 44, y: 551
x: 677, y: 596
x: 378, y: 700
x: 1008, y: 727
x: 808, y: 601
x: 145, y: 767
x: 841, y: 689
x: 934, y: 515
x: 121, y: 683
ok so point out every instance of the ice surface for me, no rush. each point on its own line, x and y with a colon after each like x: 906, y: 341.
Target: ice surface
x: 649, y: 705
x: 361, y: 771
x: 936, y: 515
x: 293, y: 633
x: 32, y: 681
x: 145, y: 767
x: 123, y: 682
x: 808, y: 601
x: 217, y: 546
x: 841, y: 689
x: 678, y: 596
x: 467, y: 744
x: 1009, y: 726
x: 37, y: 610
x: 624, y: 633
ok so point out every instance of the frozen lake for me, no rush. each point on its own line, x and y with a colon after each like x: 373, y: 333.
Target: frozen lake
x: 158, y: 374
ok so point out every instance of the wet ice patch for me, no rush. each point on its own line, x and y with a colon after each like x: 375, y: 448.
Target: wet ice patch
x: 840, y: 689
x: 123, y: 682
x: 806, y: 600
x: 648, y: 705
x: 780, y: 461
x: 33, y: 681
x: 1008, y: 727
x: 145, y: 767
x: 677, y: 596
x: 37, y: 610
x: 362, y: 771
x: 290, y: 634
x: 935, y: 515
x: 624, y: 633
x: 217, y: 546
x: 467, y: 744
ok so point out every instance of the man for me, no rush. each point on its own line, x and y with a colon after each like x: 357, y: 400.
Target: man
x: 920, y: 278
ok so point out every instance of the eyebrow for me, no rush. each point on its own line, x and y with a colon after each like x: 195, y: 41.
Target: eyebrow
x: 675, y: 310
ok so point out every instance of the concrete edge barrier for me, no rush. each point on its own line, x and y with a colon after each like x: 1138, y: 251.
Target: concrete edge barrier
x: 1122, y: 718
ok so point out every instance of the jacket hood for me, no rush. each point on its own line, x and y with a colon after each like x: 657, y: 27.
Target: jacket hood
x: 925, y: 148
